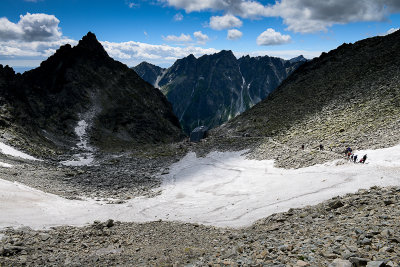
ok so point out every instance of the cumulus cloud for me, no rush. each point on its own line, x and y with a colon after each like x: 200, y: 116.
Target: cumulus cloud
x: 201, y: 37
x: 271, y: 37
x: 303, y: 16
x: 178, y: 39
x: 30, y: 27
x: 178, y: 17
x: 311, y: 16
x: 225, y: 22
x: 234, y: 34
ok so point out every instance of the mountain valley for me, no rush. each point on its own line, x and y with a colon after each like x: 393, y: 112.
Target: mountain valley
x: 212, y: 89
x: 96, y: 169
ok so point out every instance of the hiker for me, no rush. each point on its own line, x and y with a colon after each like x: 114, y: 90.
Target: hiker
x: 355, y: 158
x: 364, y: 158
x: 302, y: 147
x: 321, y: 147
x: 352, y: 157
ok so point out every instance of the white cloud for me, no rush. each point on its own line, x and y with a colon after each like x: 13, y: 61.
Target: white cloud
x: 285, y: 54
x: 196, y: 5
x: 178, y: 17
x: 133, y: 53
x: 200, y: 37
x: 392, y: 30
x: 225, y: 22
x: 19, y: 49
x: 30, y: 27
x: 234, y: 34
x: 132, y: 5
x: 303, y: 16
x: 178, y: 39
x: 271, y: 37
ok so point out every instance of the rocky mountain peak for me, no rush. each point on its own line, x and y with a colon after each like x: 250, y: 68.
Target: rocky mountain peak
x: 83, y: 84
x: 89, y: 43
x: 226, y: 53
x: 191, y: 57
x: 300, y: 58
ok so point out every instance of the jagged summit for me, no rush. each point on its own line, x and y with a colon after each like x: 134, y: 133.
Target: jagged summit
x: 89, y: 43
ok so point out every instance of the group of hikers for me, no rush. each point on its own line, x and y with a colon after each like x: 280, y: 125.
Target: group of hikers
x: 352, y: 157
x: 348, y: 153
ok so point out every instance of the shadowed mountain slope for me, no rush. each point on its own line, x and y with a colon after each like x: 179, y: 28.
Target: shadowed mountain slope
x: 212, y: 89
x: 83, y: 84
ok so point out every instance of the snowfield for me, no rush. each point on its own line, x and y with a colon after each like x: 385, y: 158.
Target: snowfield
x: 222, y: 189
x: 8, y: 150
x: 84, y: 158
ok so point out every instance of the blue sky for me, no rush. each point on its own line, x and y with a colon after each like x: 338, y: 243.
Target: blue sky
x: 161, y: 31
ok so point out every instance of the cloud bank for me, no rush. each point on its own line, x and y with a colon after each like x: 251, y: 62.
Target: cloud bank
x: 304, y: 16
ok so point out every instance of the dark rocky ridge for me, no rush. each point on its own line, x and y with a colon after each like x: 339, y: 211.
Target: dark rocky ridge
x: 212, y: 89
x: 84, y: 83
x: 349, y: 96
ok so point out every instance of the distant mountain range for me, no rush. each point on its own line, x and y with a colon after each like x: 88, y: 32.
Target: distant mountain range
x: 82, y: 84
x: 212, y: 89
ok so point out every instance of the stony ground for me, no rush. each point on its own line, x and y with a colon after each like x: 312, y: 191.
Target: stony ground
x: 119, y: 176
x: 359, y: 229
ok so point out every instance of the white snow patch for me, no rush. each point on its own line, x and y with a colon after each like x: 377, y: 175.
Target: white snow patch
x: 158, y: 79
x: 81, y: 159
x: 87, y: 157
x: 80, y: 131
x: 5, y: 165
x: 221, y: 189
x: 8, y: 150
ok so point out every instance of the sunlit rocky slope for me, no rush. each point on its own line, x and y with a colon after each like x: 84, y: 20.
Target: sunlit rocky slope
x: 347, y: 97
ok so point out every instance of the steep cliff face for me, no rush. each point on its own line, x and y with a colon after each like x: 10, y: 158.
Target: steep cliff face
x: 349, y: 96
x: 82, y: 84
x: 214, y: 88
